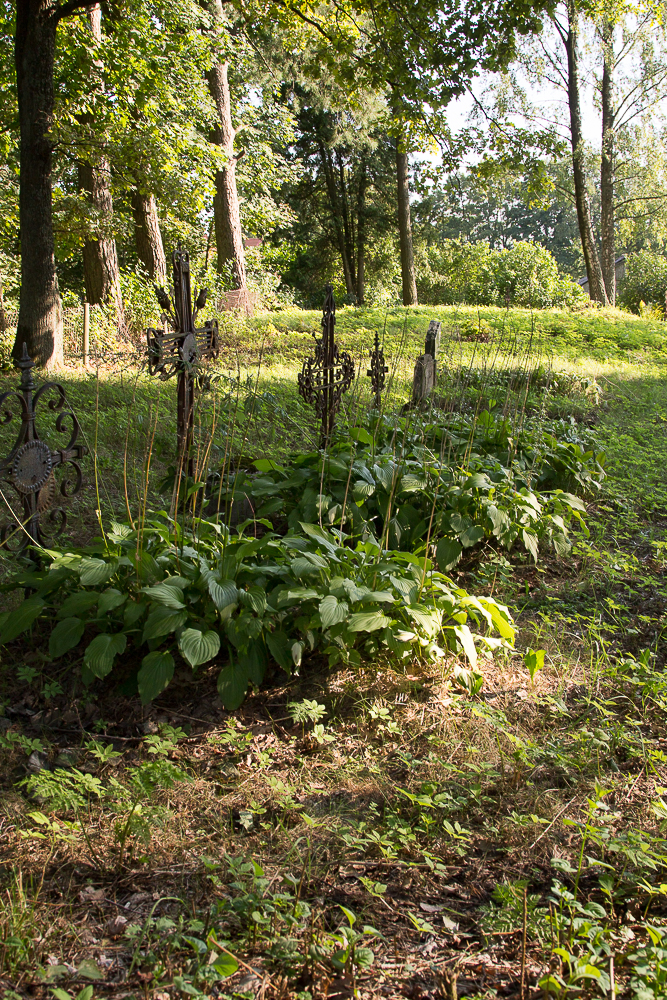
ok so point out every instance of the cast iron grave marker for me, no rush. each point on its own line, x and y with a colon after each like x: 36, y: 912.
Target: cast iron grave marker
x: 179, y: 350
x: 30, y: 467
x: 328, y: 374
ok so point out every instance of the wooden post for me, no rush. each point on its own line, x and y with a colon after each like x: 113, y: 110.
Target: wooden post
x: 86, y: 333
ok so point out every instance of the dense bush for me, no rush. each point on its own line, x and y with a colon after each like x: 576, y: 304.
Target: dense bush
x: 419, y: 486
x: 137, y: 598
x: 525, y: 275
x: 645, y: 281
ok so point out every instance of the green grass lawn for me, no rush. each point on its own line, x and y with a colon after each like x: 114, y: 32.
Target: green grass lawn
x: 423, y: 842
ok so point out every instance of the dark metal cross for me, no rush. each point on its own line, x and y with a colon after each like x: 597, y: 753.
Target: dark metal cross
x: 377, y: 372
x: 30, y: 467
x: 178, y: 347
x: 328, y: 374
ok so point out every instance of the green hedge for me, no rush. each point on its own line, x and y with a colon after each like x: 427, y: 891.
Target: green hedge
x: 645, y: 281
x: 525, y: 275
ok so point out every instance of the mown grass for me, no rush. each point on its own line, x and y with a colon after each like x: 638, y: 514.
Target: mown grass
x: 424, y: 812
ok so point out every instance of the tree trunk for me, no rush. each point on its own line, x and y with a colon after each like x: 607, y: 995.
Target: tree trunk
x: 593, y: 266
x: 226, y: 211
x: 337, y: 217
x: 147, y: 236
x: 405, y: 229
x: 348, y: 225
x: 40, y: 323
x: 607, y: 166
x: 361, y: 233
x: 100, y: 258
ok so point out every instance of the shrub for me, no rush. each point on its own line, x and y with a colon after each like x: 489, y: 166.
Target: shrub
x: 525, y: 275
x: 146, y: 596
x: 645, y: 281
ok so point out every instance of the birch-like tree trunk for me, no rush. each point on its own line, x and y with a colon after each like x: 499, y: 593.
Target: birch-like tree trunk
x: 608, y: 251
x: 405, y: 228
x: 593, y: 266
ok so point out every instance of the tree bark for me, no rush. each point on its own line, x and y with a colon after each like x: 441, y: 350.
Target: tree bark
x: 405, y: 229
x: 337, y: 217
x: 147, y: 236
x: 100, y: 258
x: 226, y: 211
x: 40, y: 323
x: 361, y: 233
x: 608, y: 253
x: 593, y: 267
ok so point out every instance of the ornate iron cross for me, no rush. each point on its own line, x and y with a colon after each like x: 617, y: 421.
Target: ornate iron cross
x: 30, y: 468
x: 377, y: 372
x: 328, y: 374
x: 178, y: 347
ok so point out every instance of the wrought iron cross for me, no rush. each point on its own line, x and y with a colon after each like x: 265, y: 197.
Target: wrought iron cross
x: 377, y: 372
x: 30, y: 468
x: 328, y: 374
x: 178, y: 350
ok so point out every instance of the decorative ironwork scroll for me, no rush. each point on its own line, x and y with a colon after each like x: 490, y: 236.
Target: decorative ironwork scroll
x: 377, y: 372
x: 328, y: 374
x: 179, y: 346
x: 31, y: 466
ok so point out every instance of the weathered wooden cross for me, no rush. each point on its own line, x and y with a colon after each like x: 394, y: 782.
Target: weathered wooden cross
x: 328, y: 374
x: 178, y: 348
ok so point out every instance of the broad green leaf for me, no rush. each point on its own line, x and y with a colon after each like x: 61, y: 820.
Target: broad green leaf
x: 448, y: 554
x: 478, y: 481
x: 531, y: 543
x: 429, y: 620
x: 254, y: 660
x: 413, y: 484
x: 95, y: 571
x: 471, y: 536
x: 110, y: 600
x: 222, y: 593
x: 255, y: 598
x: 464, y: 635
x: 21, y: 619
x: 198, y: 647
x: 232, y: 685
x: 168, y: 594
x: 156, y: 670
x: 280, y: 647
x: 332, y: 611
x: 363, y: 489
x: 161, y: 621
x: 225, y: 965
x: 89, y: 970
x: 368, y: 621
x: 77, y: 604
x: 101, y: 652
x: 65, y: 636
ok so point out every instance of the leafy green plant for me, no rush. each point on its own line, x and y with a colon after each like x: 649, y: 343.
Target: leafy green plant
x: 274, y: 597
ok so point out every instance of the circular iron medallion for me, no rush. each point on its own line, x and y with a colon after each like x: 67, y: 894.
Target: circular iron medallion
x: 32, y: 466
x: 189, y: 349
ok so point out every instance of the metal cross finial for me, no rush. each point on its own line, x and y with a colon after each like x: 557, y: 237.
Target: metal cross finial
x: 178, y: 351
x: 325, y: 376
x: 377, y: 372
x: 30, y: 467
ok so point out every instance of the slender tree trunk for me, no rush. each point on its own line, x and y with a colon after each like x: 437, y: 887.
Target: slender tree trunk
x: 100, y: 258
x: 361, y: 232
x: 593, y: 266
x: 348, y: 227
x: 405, y: 229
x: 337, y: 216
x: 226, y: 211
x: 147, y: 236
x: 40, y: 323
x: 607, y: 166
